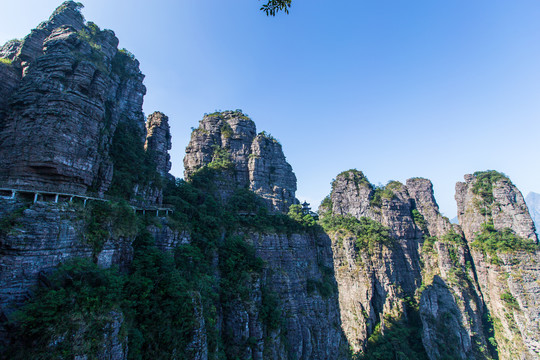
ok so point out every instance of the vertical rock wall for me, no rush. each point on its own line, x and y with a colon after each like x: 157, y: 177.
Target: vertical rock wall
x: 67, y: 88
x: 428, y: 262
x: 228, y: 140
x: 158, y: 142
x: 508, y: 279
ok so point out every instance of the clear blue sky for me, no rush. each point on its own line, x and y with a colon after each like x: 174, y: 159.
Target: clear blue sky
x: 394, y: 88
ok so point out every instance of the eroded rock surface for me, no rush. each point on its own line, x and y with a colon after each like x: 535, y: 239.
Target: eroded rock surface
x: 507, y: 278
x: 229, y: 141
x: 426, y: 263
x: 61, y: 99
x: 502, y: 203
x: 158, y: 141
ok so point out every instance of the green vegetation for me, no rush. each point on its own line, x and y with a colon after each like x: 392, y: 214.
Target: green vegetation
x: 132, y: 164
x: 235, y: 113
x: 453, y: 237
x: 326, y: 286
x: 108, y: 220
x: 157, y: 302
x: 123, y: 62
x: 64, y: 6
x: 226, y: 130
x: 379, y: 193
x: 354, y: 175
x: 368, y: 233
x: 483, y: 185
x: 11, y: 219
x: 296, y: 213
x: 270, y: 311
x: 269, y: 137
x: 429, y: 243
x: 327, y: 204
x: 92, y: 34
x: 68, y: 313
x: 221, y: 159
x: 5, y: 61
x: 510, y: 300
x: 78, y: 300
x: 491, y: 241
x: 401, y: 339
x: 239, y: 266
x: 419, y: 220
x: 272, y: 7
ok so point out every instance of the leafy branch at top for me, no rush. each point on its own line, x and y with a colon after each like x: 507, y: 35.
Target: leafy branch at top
x: 272, y: 7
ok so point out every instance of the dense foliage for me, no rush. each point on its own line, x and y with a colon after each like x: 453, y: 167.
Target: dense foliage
x: 491, y: 241
x: 368, y: 233
x: 401, y: 338
x: 158, y: 304
x: 420, y: 221
x: 108, y: 220
x: 132, y: 164
x: 483, y: 185
x: 162, y: 296
x: 68, y: 313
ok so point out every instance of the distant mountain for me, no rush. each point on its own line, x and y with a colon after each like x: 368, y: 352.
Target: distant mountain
x: 533, y: 202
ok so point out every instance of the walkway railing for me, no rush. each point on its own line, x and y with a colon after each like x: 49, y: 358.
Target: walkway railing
x: 36, y: 194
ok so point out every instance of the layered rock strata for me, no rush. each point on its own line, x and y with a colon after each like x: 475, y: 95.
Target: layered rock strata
x: 158, y: 142
x: 64, y: 88
x: 508, y: 279
x: 295, y: 266
x: 229, y: 141
x: 426, y: 262
x: 499, y: 202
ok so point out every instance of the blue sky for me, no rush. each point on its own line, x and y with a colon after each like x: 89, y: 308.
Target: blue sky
x: 397, y: 89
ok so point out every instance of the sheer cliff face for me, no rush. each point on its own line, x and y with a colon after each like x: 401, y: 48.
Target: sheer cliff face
x: 229, y: 140
x: 426, y: 284
x: 158, y: 141
x: 500, y: 202
x: 508, y: 279
x: 310, y: 320
x: 67, y: 88
x: 373, y: 282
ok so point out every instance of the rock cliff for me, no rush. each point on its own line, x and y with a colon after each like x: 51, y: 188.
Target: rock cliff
x: 401, y: 265
x: 228, y: 274
x: 491, y: 196
x: 502, y: 235
x: 296, y: 267
x: 229, y: 141
x: 158, y: 142
x: 67, y: 85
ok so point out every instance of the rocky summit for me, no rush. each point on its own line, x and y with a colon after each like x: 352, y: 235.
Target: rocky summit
x: 229, y: 140
x: 105, y: 255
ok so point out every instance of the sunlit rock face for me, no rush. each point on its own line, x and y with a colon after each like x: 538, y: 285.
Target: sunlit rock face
x: 504, y: 206
x: 406, y: 279
x: 508, y: 280
x: 229, y: 141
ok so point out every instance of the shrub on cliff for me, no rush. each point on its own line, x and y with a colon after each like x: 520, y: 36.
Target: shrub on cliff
x: 132, y: 165
x: 368, y: 233
x: 483, y: 186
x: 108, y: 220
x: 491, y: 241
x: 68, y: 312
